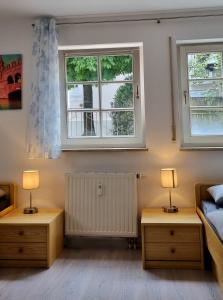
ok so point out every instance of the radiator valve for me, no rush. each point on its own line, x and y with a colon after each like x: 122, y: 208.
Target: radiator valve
x: 100, y: 189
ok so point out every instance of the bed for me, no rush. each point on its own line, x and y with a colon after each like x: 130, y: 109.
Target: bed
x: 7, y: 198
x: 212, y: 236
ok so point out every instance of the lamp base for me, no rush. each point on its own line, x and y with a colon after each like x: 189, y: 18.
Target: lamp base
x: 30, y: 210
x: 170, y: 209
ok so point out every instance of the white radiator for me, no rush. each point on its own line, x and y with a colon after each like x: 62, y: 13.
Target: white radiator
x: 101, y: 204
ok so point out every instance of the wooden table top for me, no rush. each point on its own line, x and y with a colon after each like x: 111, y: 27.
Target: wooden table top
x: 185, y: 216
x: 44, y: 216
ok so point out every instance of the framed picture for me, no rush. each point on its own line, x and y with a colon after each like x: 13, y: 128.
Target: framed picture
x: 10, y: 81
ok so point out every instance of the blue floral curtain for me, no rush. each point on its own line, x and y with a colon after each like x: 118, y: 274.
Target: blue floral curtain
x: 44, y: 112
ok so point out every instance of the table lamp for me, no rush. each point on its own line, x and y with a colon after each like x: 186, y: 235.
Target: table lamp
x: 30, y: 182
x: 169, y: 180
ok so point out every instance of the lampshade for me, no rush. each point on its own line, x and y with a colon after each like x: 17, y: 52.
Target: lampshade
x: 30, y: 179
x: 168, y: 178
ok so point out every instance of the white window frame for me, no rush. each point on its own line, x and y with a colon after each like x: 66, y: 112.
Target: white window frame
x: 186, y: 139
x: 122, y: 142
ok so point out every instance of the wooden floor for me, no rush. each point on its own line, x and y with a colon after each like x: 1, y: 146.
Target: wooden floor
x: 105, y: 275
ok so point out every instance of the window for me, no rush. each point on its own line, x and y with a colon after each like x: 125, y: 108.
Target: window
x: 102, y: 100
x: 201, y: 73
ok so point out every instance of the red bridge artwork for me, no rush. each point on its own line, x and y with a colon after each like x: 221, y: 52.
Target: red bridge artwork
x: 10, y: 81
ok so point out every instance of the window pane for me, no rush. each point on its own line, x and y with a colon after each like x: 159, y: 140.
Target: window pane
x: 81, y: 68
x: 117, y: 95
x: 207, y: 121
x: 82, y: 96
x: 118, y: 123
x: 204, y: 65
x: 206, y: 92
x: 82, y: 124
x: 116, y: 67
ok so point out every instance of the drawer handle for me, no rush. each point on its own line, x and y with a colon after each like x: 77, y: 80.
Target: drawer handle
x: 172, y: 250
x: 20, y: 250
x: 171, y: 232
x: 21, y: 233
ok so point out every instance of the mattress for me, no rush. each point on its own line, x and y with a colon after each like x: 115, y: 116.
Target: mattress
x: 214, y: 215
x: 4, y: 203
x: 4, y: 197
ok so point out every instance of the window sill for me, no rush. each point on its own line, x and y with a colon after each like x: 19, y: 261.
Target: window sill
x: 201, y: 148
x: 64, y: 149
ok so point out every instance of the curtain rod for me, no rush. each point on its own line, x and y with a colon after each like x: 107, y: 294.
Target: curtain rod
x: 156, y: 19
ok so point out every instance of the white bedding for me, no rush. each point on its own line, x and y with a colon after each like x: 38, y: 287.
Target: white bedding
x: 216, y: 219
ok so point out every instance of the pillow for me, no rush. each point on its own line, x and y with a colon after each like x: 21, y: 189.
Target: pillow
x: 216, y: 192
x: 209, y: 206
x: 2, y: 193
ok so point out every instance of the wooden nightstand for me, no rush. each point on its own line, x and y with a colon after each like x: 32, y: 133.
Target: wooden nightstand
x: 172, y: 240
x: 33, y: 240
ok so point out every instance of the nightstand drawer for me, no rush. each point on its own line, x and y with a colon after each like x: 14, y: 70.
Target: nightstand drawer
x: 23, y: 251
x: 179, y: 234
x: 173, y: 251
x: 23, y: 233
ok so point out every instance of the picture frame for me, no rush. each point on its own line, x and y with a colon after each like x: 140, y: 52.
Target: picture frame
x: 10, y: 81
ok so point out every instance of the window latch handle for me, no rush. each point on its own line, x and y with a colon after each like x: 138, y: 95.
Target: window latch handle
x: 137, y: 92
x: 185, y: 97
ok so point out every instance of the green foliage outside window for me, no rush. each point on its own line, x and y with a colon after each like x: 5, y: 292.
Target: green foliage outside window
x: 85, y: 68
x: 206, y: 66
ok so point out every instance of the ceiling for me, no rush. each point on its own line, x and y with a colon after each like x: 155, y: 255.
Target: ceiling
x: 67, y: 8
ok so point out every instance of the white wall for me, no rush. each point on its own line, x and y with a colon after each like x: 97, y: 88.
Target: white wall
x: 192, y: 166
